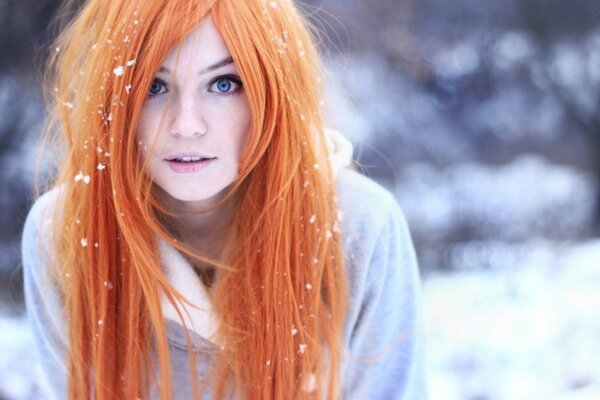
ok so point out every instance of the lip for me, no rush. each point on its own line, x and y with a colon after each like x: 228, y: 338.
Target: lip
x: 179, y: 154
x: 191, y: 166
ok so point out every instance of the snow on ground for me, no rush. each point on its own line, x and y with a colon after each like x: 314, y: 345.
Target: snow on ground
x: 17, y: 359
x: 529, y: 331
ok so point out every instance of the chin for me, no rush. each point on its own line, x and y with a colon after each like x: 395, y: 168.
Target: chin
x: 198, y: 195
x: 194, y: 196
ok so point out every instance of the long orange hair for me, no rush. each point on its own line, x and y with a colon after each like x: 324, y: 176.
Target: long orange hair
x: 283, y: 294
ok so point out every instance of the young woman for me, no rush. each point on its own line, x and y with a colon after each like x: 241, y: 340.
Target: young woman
x: 203, y: 237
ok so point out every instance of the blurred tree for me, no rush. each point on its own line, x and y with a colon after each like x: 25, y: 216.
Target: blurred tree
x: 22, y: 27
x: 467, y: 80
x: 573, y: 78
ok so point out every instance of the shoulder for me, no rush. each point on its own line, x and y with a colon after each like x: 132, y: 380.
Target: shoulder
x: 383, y: 329
x: 42, y: 297
x: 376, y: 238
x: 356, y: 187
x: 366, y: 206
x: 37, y: 224
x: 45, y: 204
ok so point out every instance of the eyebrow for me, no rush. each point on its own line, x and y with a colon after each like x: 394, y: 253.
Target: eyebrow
x: 217, y: 65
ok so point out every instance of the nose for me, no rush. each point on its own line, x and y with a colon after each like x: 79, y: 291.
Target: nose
x: 187, y: 118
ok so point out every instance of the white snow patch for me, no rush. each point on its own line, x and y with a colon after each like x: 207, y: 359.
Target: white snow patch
x: 522, y: 333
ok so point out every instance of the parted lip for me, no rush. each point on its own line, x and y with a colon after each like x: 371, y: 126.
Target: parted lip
x: 181, y: 154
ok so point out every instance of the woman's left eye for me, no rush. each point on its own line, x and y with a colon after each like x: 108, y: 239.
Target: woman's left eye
x: 226, y: 85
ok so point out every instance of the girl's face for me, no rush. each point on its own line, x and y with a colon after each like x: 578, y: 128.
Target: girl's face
x: 198, y: 102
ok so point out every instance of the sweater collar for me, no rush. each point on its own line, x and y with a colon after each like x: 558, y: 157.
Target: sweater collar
x: 199, y: 316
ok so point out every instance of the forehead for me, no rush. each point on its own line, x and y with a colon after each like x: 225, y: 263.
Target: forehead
x: 202, y: 46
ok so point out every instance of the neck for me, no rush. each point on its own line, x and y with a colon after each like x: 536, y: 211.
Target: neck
x: 202, y: 226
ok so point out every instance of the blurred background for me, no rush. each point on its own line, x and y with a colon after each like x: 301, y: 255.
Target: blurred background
x: 481, y: 117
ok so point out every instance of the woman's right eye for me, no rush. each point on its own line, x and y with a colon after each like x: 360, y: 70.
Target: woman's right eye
x: 158, y: 87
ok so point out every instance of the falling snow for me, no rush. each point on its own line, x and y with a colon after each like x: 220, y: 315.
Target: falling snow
x: 84, y: 242
x: 101, y: 167
x: 81, y: 177
x: 309, y: 383
x: 119, y: 71
x: 302, y: 348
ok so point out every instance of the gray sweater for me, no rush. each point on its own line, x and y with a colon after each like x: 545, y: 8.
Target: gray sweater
x: 384, y: 334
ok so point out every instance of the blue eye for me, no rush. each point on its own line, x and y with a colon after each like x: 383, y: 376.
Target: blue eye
x: 158, y: 87
x: 226, y: 85
x: 223, y: 85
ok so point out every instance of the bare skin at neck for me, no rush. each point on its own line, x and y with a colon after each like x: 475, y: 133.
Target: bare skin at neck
x: 202, y: 226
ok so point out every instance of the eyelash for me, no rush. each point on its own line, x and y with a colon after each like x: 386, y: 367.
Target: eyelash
x: 231, y: 78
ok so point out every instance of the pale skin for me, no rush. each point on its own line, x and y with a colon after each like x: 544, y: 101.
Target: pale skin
x: 196, y: 106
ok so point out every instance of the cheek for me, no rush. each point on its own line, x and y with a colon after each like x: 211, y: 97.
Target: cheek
x: 239, y: 139
x: 140, y: 140
x: 142, y: 132
x: 146, y: 133
x: 243, y: 124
